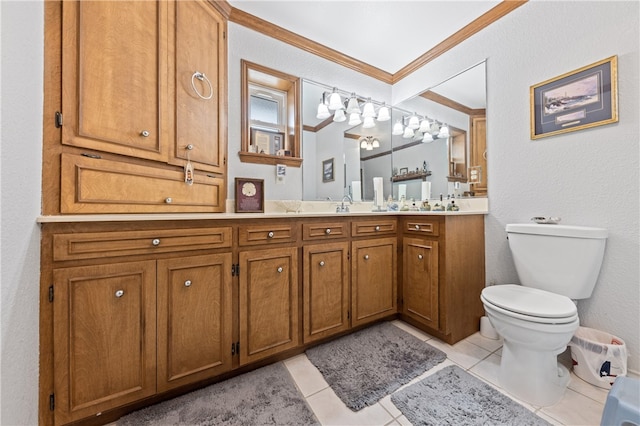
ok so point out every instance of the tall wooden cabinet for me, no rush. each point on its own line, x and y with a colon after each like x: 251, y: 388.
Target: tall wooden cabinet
x: 145, y: 81
x: 479, y: 152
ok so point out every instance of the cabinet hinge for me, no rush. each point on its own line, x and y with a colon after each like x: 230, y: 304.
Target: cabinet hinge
x: 224, y: 35
x: 348, y: 314
x: 233, y: 349
x: 58, y: 119
x: 52, y: 402
x: 238, y: 348
x: 51, y: 293
x: 235, y: 270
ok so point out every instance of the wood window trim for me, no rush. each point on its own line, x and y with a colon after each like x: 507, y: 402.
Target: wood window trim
x: 255, y: 73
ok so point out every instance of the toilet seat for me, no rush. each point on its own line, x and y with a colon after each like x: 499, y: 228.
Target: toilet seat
x: 530, y: 304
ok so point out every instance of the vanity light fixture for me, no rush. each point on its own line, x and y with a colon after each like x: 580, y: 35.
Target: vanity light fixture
x: 408, y: 133
x: 368, y: 110
x: 398, y: 129
x: 368, y: 123
x: 383, y: 113
x: 345, y: 105
x: 444, y: 131
x: 414, y: 122
x: 339, y: 116
x: 427, y: 138
x: 412, y: 126
x: 353, y: 107
x: 369, y: 143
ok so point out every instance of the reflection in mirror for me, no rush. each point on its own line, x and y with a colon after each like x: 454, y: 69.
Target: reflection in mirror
x: 457, y: 164
x: 340, y: 141
x: 459, y: 102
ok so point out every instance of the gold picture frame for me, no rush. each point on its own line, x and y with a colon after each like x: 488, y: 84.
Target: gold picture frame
x: 580, y: 99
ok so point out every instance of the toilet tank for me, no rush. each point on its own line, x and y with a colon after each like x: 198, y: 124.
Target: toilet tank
x: 558, y: 258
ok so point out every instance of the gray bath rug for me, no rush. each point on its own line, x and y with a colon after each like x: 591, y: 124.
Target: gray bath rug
x: 267, y: 396
x: 452, y: 396
x: 367, y: 365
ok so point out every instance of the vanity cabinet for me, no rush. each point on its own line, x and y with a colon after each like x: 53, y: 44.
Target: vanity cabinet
x: 194, y: 318
x: 268, y: 302
x: 129, y: 317
x: 373, y: 270
x: 146, y: 82
x: 325, y: 290
x: 443, y: 274
x: 104, y: 337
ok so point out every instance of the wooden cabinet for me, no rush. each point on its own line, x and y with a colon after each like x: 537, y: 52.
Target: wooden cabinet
x: 268, y: 302
x: 194, y: 319
x: 104, y: 337
x: 420, y: 280
x: 147, y: 81
x: 441, y: 289
x: 325, y: 290
x: 373, y: 279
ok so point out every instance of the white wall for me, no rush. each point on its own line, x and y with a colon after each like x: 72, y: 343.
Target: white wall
x: 588, y: 177
x: 21, y: 159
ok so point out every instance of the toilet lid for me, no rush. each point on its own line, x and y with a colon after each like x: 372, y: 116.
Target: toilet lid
x: 530, y: 301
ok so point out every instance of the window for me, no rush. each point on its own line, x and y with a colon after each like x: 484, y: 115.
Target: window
x: 270, y: 105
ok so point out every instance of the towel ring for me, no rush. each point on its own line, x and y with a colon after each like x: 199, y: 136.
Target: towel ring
x: 200, y: 76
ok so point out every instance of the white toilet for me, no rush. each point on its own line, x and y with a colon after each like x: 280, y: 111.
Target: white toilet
x: 555, y: 264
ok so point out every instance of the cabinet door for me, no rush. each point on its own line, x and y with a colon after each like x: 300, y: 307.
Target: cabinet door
x: 268, y: 302
x: 373, y: 279
x: 479, y: 151
x: 200, y: 100
x: 113, y: 68
x: 104, y: 337
x: 194, y: 319
x: 325, y: 290
x: 420, y: 281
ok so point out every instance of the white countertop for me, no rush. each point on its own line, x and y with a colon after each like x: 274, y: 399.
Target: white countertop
x: 273, y: 209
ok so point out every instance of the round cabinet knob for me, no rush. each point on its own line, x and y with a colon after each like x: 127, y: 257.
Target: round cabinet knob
x: 417, y: 227
x: 327, y: 231
x: 280, y: 269
x: 270, y: 234
x: 377, y: 228
x: 145, y: 133
x: 189, y: 147
x: 322, y: 263
x: 168, y: 200
x: 119, y: 293
x: 420, y: 256
x: 187, y: 283
x: 366, y: 257
x: 155, y: 242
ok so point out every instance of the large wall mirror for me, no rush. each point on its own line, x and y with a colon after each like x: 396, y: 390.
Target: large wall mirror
x: 342, y: 159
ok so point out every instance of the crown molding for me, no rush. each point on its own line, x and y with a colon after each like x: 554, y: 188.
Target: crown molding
x: 267, y: 28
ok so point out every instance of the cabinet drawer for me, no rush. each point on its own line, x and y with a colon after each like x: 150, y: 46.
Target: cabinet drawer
x: 93, y: 245
x: 373, y: 227
x: 422, y: 227
x: 267, y: 234
x: 105, y: 186
x: 324, y: 230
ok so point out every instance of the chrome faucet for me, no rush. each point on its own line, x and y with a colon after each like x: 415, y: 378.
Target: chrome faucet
x: 341, y: 208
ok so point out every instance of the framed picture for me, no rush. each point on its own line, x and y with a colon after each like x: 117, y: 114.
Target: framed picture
x: 327, y: 170
x: 249, y: 195
x: 580, y: 99
x: 267, y: 142
x: 404, y: 170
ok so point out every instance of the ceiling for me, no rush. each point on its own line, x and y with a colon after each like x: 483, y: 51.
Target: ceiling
x: 385, y: 34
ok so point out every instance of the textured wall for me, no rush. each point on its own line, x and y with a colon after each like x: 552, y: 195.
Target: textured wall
x: 21, y: 142
x: 588, y: 177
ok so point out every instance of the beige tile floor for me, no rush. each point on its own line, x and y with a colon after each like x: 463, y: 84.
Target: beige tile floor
x: 582, y: 403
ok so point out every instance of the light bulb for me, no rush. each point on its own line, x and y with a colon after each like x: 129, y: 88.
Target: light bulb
x: 397, y: 128
x: 339, y: 116
x: 354, y: 119
x: 427, y: 138
x: 408, y: 133
x: 444, y: 131
x: 376, y: 143
x: 383, y: 113
x: 323, y: 111
x: 368, y: 123
x: 414, y: 122
x: 368, y: 110
x: 424, y: 126
x: 369, y: 147
x: 335, y: 102
x: 352, y: 106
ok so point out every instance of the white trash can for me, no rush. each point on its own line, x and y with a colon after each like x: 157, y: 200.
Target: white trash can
x: 598, y: 357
